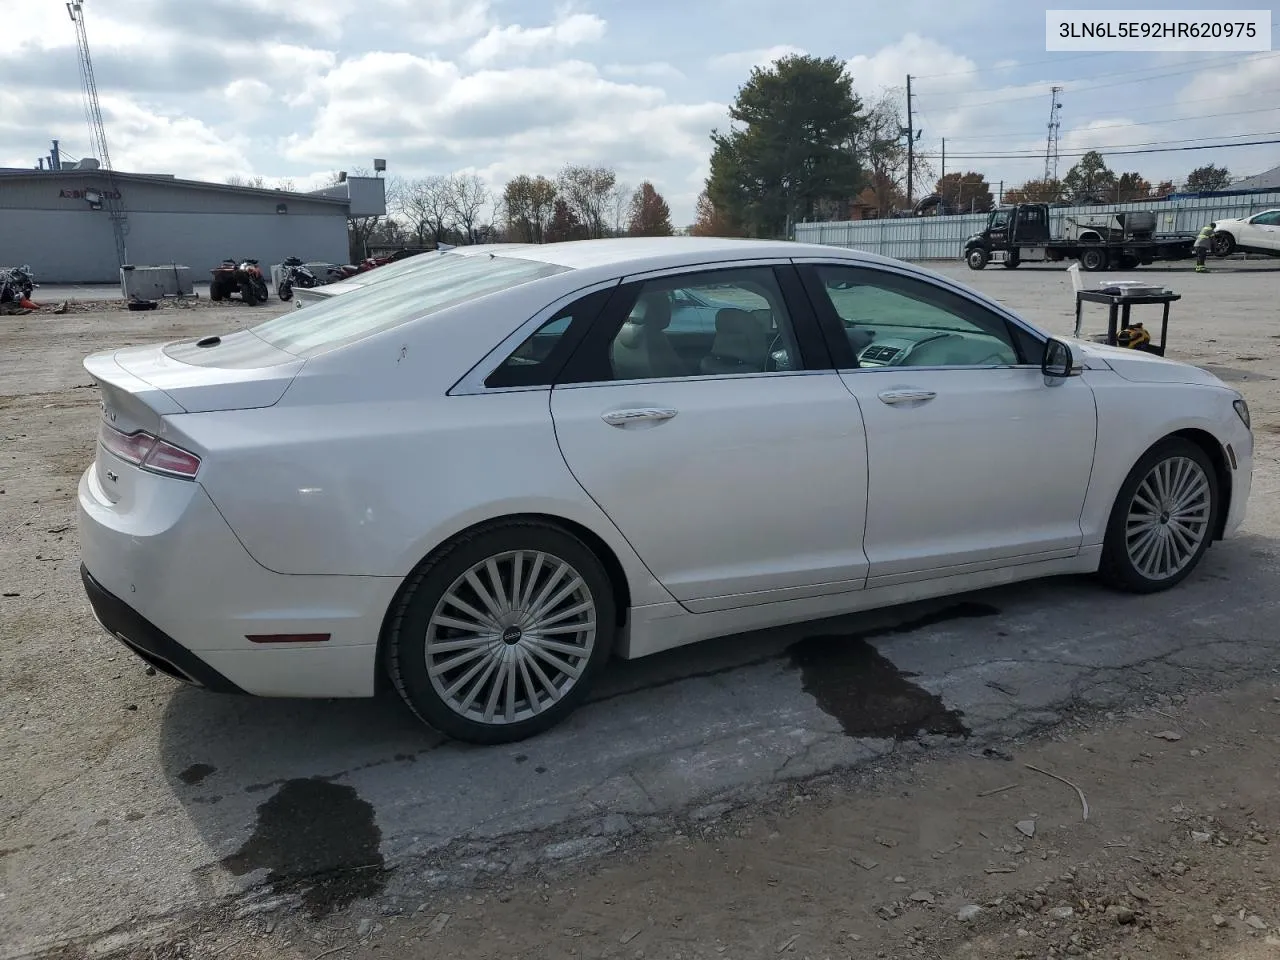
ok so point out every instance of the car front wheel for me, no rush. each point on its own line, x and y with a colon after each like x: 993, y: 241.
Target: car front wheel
x: 498, y: 635
x: 1163, y: 518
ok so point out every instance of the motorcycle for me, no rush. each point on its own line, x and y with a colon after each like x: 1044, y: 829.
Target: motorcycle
x: 295, y: 273
x: 244, y: 277
x: 17, y: 284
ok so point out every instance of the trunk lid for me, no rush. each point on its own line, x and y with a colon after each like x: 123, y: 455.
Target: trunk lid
x: 237, y: 372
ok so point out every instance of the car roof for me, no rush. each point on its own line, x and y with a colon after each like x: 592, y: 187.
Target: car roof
x: 638, y: 254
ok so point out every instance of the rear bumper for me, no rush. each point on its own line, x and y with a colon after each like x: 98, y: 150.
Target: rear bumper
x: 167, y: 576
x: 148, y: 641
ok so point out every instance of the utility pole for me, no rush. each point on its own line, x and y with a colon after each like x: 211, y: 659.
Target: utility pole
x: 911, y: 143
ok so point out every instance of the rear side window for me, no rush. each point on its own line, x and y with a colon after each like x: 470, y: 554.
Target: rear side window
x: 538, y: 361
x: 440, y: 282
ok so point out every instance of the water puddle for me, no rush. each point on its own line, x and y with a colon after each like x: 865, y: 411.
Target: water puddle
x: 319, y: 838
x: 866, y: 693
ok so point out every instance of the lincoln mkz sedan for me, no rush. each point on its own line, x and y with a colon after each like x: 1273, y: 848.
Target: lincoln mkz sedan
x: 478, y: 479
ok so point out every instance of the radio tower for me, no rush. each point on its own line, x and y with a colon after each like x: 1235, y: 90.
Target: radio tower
x: 1051, y: 148
x: 98, y: 133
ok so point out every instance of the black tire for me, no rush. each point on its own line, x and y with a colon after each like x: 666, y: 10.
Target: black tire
x: 1127, y: 262
x: 1093, y: 259
x: 286, y: 290
x: 1222, y: 245
x: 249, y: 293
x: 1012, y: 262
x: 977, y: 258
x: 215, y: 291
x: 1117, y: 568
x: 405, y: 646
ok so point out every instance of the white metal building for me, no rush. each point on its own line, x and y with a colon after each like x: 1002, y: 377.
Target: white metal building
x: 57, y: 222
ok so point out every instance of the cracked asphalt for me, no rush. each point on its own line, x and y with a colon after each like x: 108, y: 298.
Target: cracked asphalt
x: 125, y: 798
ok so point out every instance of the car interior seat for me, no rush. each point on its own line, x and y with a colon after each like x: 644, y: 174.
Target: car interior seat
x: 741, y: 344
x: 641, y: 349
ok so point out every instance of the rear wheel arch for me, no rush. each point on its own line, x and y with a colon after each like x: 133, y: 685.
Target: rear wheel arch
x: 591, y: 540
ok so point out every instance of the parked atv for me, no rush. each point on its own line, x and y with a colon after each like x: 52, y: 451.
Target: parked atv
x: 295, y: 273
x: 244, y: 278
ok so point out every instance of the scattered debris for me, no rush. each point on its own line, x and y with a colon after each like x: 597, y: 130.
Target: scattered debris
x: 968, y: 912
x: 997, y: 754
x: 1084, y: 803
x: 629, y: 935
x: 922, y: 896
x: 866, y: 863
x: 1137, y: 892
x: 991, y: 793
x: 1001, y: 869
x: 1171, y: 735
x: 1201, y: 836
x: 439, y: 923
x: 1256, y: 922
x: 1122, y: 915
x: 364, y: 928
x: 1062, y: 913
x: 788, y: 943
x: 1219, y: 920
x: 1026, y: 827
x: 886, y: 843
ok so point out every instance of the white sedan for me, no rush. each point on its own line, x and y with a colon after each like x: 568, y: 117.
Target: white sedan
x: 479, y: 479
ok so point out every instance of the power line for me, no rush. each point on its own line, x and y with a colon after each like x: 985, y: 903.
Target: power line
x: 1009, y: 66
x: 1120, y: 151
x: 1099, y: 86
x: 1133, y: 123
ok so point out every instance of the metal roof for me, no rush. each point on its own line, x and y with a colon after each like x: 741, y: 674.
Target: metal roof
x: 165, y: 179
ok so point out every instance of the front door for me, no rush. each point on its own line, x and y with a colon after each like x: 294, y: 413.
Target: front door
x: 738, y: 475
x: 973, y: 462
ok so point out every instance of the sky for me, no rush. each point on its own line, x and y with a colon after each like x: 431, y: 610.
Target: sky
x: 209, y: 89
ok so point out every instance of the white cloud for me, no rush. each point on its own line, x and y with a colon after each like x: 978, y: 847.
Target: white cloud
x: 653, y: 71
x: 514, y: 44
x: 743, y: 60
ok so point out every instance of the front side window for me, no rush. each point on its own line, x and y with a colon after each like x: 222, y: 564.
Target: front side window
x: 717, y: 323
x: 999, y: 221
x: 892, y: 320
x: 1270, y: 219
x: 438, y: 283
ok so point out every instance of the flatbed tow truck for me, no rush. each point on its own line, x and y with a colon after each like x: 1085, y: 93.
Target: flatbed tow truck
x: 1119, y: 241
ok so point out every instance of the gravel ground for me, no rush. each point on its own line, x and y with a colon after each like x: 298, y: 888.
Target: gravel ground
x: 677, y: 814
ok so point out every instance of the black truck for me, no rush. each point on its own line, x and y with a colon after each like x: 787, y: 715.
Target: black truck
x: 1020, y: 234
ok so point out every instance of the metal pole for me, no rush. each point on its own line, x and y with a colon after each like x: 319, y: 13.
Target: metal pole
x: 911, y: 143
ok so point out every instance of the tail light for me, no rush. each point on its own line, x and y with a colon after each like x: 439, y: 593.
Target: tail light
x: 149, y: 452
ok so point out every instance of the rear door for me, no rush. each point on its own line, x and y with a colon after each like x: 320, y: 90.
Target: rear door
x: 739, y: 476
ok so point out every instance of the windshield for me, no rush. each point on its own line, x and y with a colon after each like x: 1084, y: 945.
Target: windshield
x: 435, y: 285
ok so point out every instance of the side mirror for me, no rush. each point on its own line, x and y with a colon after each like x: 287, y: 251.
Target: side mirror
x: 1061, y: 360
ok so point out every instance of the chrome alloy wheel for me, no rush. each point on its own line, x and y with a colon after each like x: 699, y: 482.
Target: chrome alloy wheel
x: 1168, y: 518
x: 510, y: 637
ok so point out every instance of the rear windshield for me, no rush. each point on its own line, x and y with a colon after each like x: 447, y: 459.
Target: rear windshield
x: 442, y: 281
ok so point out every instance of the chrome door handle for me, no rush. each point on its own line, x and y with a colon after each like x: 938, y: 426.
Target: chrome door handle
x: 907, y: 396
x: 620, y: 418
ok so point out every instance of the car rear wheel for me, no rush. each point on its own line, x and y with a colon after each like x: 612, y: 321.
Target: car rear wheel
x: 498, y: 635
x: 1163, y: 519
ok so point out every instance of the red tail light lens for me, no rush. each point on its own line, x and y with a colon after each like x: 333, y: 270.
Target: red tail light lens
x: 149, y: 452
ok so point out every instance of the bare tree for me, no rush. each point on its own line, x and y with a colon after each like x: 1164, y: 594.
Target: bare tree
x: 527, y: 204
x: 426, y: 205
x: 468, y: 196
x: 586, y: 191
x: 619, y: 206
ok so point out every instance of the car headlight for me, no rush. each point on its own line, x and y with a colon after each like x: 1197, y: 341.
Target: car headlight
x: 1242, y: 409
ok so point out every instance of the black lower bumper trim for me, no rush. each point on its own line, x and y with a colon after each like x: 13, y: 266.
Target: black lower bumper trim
x: 149, y: 642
